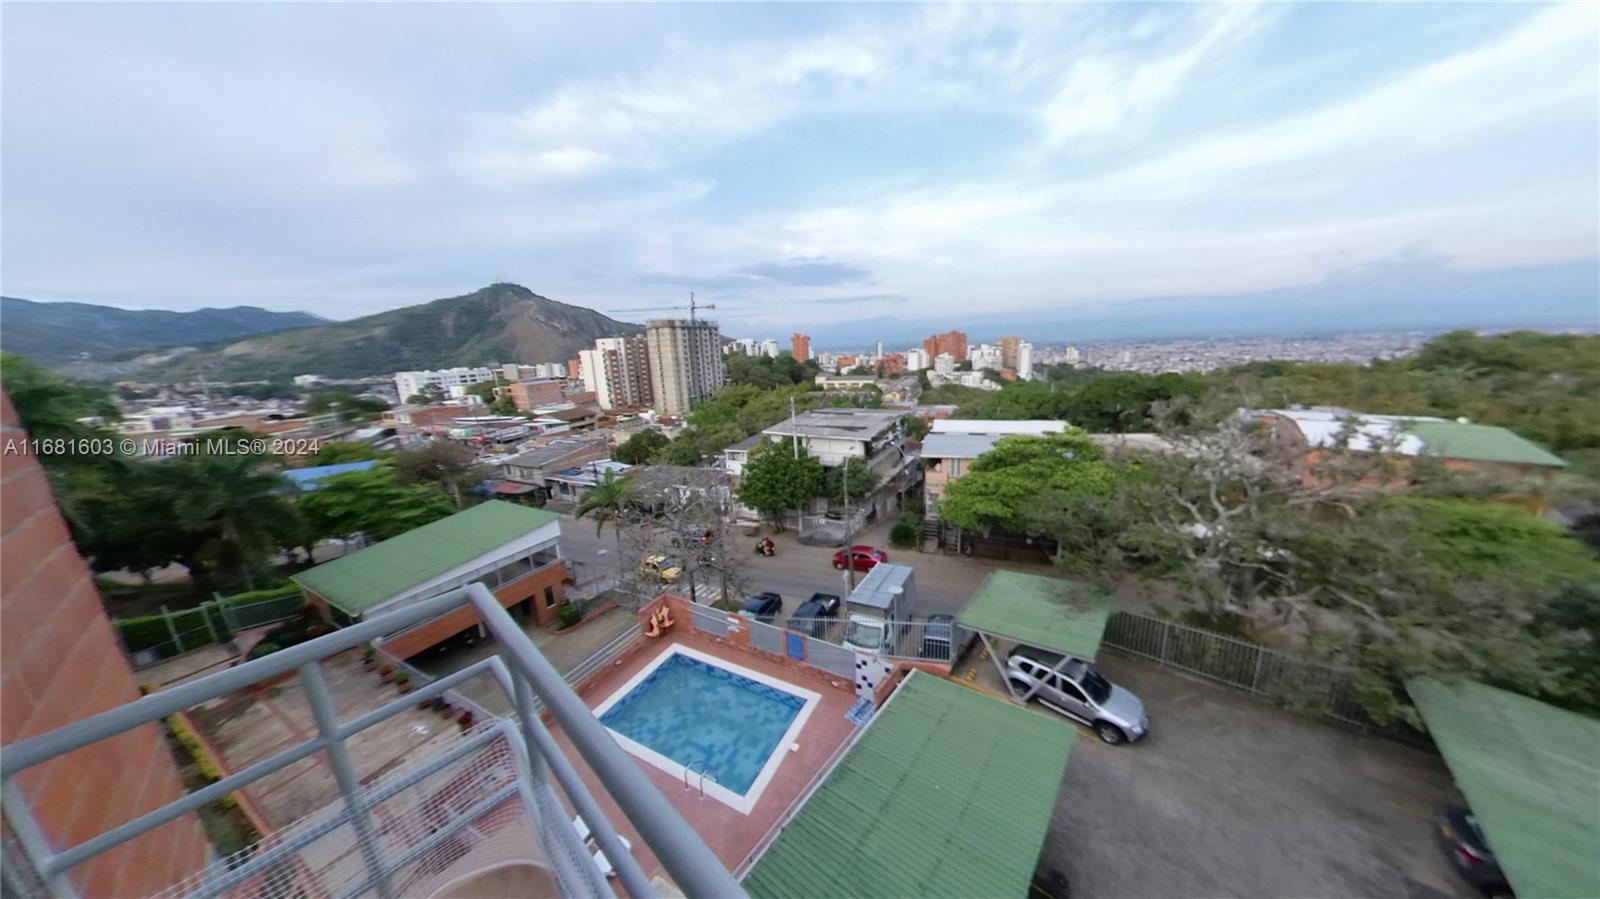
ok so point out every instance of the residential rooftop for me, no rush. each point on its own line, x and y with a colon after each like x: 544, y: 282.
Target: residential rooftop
x: 948, y: 792
x: 1415, y: 435
x: 364, y: 579
x: 843, y: 423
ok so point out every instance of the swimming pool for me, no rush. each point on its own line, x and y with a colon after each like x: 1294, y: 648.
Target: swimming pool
x: 690, y: 710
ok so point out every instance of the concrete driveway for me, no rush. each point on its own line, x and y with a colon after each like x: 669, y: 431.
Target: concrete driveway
x: 1229, y: 797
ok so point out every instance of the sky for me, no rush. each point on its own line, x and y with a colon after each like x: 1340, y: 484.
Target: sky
x: 806, y: 166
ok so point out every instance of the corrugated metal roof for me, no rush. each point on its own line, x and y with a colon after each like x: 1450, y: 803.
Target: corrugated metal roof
x: 958, y: 446
x: 361, y: 580
x: 948, y: 793
x: 1031, y: 427
x: 1531, y: 773
x: 1481, y: 443
x: 1047, y: 612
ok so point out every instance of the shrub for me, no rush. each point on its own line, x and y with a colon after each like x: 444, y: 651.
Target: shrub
x: 568, y: 616
x: 902, y: 536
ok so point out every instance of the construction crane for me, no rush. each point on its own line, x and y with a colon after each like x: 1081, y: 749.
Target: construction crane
x: 692, y: 307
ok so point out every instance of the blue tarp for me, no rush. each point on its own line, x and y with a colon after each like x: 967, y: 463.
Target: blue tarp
x: 309, y: 478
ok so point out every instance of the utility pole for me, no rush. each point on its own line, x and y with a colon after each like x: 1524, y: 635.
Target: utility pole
x: 794, y: 434
x: 849, y: 530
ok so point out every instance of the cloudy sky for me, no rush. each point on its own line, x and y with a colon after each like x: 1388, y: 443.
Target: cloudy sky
x: 790, y: 163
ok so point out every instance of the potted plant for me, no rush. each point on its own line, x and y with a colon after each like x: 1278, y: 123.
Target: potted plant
x: 369, y: 658
x: 465, y: 720
x: 403, y: 681
x: 387, y: 673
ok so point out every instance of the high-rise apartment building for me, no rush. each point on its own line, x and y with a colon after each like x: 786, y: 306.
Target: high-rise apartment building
x: 1008, y: 351
x: 986, y: 356
x: 944, y: 364
x: 918, y: 359
x: 952, y: 342
x: 617, y: 371
x: 685, y: 363
x: 769, y: 348
x: 1024, y: 366
x: 1071, y: 355
x: 799, y: 347
x: 891, y: 365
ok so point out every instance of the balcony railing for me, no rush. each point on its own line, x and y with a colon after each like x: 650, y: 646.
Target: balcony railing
x: 508, y: 767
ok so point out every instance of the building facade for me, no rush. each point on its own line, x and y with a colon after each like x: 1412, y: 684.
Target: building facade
x: 800, y: 347
x: 453, y: 382
x: 1008, y: 347
x: 617, y: 371
x: 952, y: 342
x: 62, y: 664
x: 685, y: 361
x: 1024, y: 366
x: 917, y: 359
x: 530, y: 394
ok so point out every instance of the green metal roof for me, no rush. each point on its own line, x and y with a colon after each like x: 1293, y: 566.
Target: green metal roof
x: 361, y: 580
x: 1051, y: 613
x: 949, y: 792
x: 1481, y: 443
x: 1531, y: 773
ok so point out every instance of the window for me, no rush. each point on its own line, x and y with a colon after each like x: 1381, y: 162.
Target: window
x: 1069, y: 689
x: 955, y: 468
x: 549, y: 597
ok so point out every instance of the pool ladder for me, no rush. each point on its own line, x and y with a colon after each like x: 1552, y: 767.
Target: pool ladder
x: 689, y: 769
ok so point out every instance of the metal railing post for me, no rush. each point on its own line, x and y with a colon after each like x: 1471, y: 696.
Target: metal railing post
x: 172, y: 630
x: 344, y: 771
x: 205, y: 615
x: 1166, y: 631
x: 35, y: 845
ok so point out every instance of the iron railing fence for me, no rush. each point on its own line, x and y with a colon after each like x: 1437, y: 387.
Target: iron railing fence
x: 152, y: 638
x: 375, y: 855
x: 1282, y: 677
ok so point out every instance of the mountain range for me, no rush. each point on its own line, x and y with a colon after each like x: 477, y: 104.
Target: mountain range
x: 499, y: 323
x: 61, y: 333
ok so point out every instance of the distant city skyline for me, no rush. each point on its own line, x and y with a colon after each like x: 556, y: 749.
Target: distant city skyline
x: 809, y: 165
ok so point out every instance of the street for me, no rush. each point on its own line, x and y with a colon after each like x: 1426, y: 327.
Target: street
x: 944, y: 583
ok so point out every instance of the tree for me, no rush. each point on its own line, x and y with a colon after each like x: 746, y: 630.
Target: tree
x: 345, y: 406
x: 371, y: 502
x: 862, y: 481
x: 638, y: 449
x: 1002, y: 487
x: 428, y: 395
x: 232, y: 507
x: 452, y: 466
x: 608, y: 502
x: 337, y: 452
x: 917, y: 427
x: 681, y: 451
x: 774, y: 480
x: 49, y: 406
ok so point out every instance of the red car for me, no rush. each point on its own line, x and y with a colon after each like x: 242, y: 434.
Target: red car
x: 860, y: 557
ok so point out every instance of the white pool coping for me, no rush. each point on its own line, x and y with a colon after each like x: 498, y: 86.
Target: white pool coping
x: 746, y: 801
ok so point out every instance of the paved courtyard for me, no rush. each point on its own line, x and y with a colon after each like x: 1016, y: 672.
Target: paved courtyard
x: 1229, y: 797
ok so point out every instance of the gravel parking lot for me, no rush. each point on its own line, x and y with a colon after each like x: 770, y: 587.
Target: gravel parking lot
x: 1231, y: 797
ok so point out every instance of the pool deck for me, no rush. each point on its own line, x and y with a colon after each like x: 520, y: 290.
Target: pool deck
x: 730, y: 834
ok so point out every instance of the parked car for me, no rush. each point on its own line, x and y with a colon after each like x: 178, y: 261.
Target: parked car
x: 816, y: 614
x: 860, y: 557
x: 762, y: 606
x: 1073, y: 688
x: 663, y: 567
x: 942, y: 641
x: 1463, y: 841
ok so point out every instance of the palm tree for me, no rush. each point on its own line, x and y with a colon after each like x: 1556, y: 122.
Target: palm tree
x: 607, y: 502
x: 235, y: 507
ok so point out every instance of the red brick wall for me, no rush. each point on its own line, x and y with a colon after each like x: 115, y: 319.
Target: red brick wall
x: 60, y: 662
x: 417, y: 639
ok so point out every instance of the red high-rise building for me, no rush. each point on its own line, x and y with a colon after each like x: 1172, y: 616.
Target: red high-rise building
x: 800, y: 347
x: 952, y: 342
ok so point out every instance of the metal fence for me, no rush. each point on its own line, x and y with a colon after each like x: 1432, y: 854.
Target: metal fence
x: 151, y: 638
x: 709, y: 620
x: 1279, y: 676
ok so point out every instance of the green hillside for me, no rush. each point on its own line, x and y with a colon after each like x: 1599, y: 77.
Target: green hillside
x: 59, y: 333
x: 499, y: 323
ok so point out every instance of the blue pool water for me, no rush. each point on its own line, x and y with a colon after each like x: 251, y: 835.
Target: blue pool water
x: 705, y: 716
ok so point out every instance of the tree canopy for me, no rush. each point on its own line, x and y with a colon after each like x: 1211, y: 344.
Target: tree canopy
x: 372, y: 502
x: 638, y: 449
x: 1002, y: 487
x: 774, y: 480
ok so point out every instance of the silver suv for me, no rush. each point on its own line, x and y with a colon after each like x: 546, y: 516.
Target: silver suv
x: 1072, y: 687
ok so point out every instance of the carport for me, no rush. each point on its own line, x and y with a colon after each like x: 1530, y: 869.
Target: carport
x: 1056, y: 614
x: 1531, y: 773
